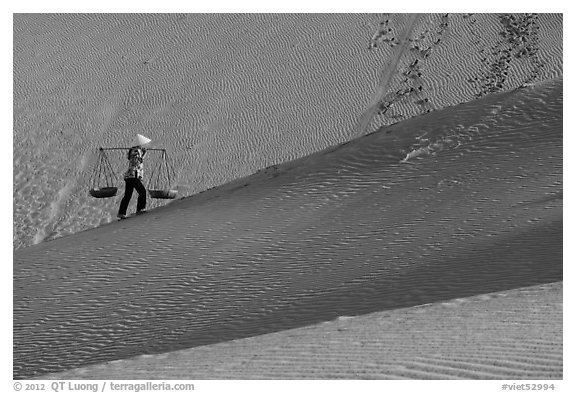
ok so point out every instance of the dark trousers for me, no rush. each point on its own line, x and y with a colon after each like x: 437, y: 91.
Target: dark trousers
x: 131, y: 184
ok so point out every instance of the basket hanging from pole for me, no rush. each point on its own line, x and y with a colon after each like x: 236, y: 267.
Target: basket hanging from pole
x: 102, y: 178
x: 161, y: 179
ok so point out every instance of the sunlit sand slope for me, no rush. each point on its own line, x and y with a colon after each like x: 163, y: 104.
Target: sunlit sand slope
x: 459, y: 202
x: 515, y: 334
x: 229, y: 94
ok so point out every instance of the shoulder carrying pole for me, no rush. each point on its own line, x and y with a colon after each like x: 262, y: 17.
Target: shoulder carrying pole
x: 127, y: 148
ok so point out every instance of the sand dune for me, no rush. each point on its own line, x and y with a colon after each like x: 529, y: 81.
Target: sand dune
x: 232, y: 94
x: 515, y: 334
x: 455, y: 203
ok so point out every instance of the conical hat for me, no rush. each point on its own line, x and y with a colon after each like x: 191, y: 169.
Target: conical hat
x: 141, y: 140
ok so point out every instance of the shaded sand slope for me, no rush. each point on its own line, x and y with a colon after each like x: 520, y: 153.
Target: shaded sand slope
x: 515, y: 334
x: 229, y: 94
x: 458, y: 202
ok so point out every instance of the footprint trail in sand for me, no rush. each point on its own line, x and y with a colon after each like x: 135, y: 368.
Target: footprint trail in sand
x: 386, y: 75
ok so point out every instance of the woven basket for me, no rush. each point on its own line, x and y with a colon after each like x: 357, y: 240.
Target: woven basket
x: 104, y: 192
x: 163, y: 194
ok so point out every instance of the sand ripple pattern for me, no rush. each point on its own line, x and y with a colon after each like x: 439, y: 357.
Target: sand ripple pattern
x: 230, y: 94
x: 454, y: 58
x: 514, y: 334
x: 226, y: 94
x: 451, y: 204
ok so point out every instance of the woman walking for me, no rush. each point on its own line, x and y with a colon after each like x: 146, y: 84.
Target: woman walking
x: 133, y: 177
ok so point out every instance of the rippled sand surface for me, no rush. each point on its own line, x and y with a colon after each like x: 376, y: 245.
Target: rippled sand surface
x: 231, y: 94
x: 455, y: 203
x: 515, y: 334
